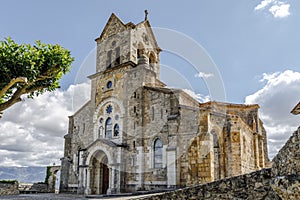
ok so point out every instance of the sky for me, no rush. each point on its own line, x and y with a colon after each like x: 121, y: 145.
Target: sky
x: 252, y: 46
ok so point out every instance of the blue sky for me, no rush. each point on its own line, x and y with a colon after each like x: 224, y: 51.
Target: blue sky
x: 243, y: 42
x: 255, y: 45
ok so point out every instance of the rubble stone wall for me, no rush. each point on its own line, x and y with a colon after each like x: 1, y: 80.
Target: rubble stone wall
x: 9, y: 188
x: 255, y: 185
x: 287, y: 161
x: 286, y: 169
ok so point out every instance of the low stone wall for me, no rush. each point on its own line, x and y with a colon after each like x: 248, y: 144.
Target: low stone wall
x: 287, y: 161
x: 9, y: 188
x: 287, y: 187
x: 286, y: 169
x: 255, y: 185
x: 39, y: 188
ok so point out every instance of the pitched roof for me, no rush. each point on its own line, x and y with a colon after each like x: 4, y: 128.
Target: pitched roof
x: 147, y: 24
x: 296, y: 109
x: 114, y: 19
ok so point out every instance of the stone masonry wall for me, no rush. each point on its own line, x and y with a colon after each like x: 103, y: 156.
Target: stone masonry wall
x: 286, y: 169
x: 282, y: 181
x: 255, y: 185
x: 40, y: 188
x: 287, y: 161
x: 9, y: 188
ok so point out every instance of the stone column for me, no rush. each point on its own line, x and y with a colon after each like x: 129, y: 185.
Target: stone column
x: 256, y: 152
x: 80, y: 189
x: 261, y: 151
x: 171, y: 166
x: 112, y: 183
x: 97, y: 178
x: 140, y: 167
x: 88, y: 181
x: 110, y: 180
x: 118, y: 179
x: 84, y: 179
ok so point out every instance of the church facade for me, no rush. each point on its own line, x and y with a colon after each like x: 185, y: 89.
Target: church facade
x: 135, y: 133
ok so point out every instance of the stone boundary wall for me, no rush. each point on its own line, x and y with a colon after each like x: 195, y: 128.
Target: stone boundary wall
x: 286, y: 169
x: 39, y: 188
x: 9, y: 188
x: 287, y: 161
x: 255, y: 185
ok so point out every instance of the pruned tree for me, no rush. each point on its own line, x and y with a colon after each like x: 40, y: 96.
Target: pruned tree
x: 30, y: 70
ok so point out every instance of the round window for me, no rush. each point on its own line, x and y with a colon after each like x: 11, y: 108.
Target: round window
x: 109, y: 84
x: 109, y: 109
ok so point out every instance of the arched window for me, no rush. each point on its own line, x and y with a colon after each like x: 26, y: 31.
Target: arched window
x: 108, y: 128
x: 108, y: 61
x: 152, y: 110
x: 140, y: 51
x: 158, y: 153
x: 116, y: 130
x: 118, y: 59
x: 151, y: 60
x: 244, y: 145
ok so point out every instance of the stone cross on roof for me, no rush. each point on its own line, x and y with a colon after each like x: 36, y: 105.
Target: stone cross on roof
x: 146, y: 15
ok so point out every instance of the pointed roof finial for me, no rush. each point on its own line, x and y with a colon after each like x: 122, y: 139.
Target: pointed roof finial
x: 146, y: 15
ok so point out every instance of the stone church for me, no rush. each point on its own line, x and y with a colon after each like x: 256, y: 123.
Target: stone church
x: 136, y: 134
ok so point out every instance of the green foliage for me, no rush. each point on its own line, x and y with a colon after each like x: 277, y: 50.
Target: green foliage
x: 30, y: 69
x: 8, y: 181
x: 48, y: 174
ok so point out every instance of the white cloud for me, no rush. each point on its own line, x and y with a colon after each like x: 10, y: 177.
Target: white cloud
x: 277, y: 98
x: 277, y: 8
x: 280, y: 11
x: 263, y: 4
x: 32, y: 131
x: 199, y: 97
x: 203, y: 75
x: 267, y: 77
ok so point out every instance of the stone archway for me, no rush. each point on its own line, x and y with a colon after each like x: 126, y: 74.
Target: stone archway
x: 53, y: 176
x: 99, y: 173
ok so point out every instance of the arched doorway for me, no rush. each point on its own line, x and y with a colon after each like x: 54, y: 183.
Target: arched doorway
x: 53, y: 178
x: 57, y: 182
x: 99, y: 173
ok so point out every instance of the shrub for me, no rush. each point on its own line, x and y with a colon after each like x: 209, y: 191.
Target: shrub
x: 8, y: 181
